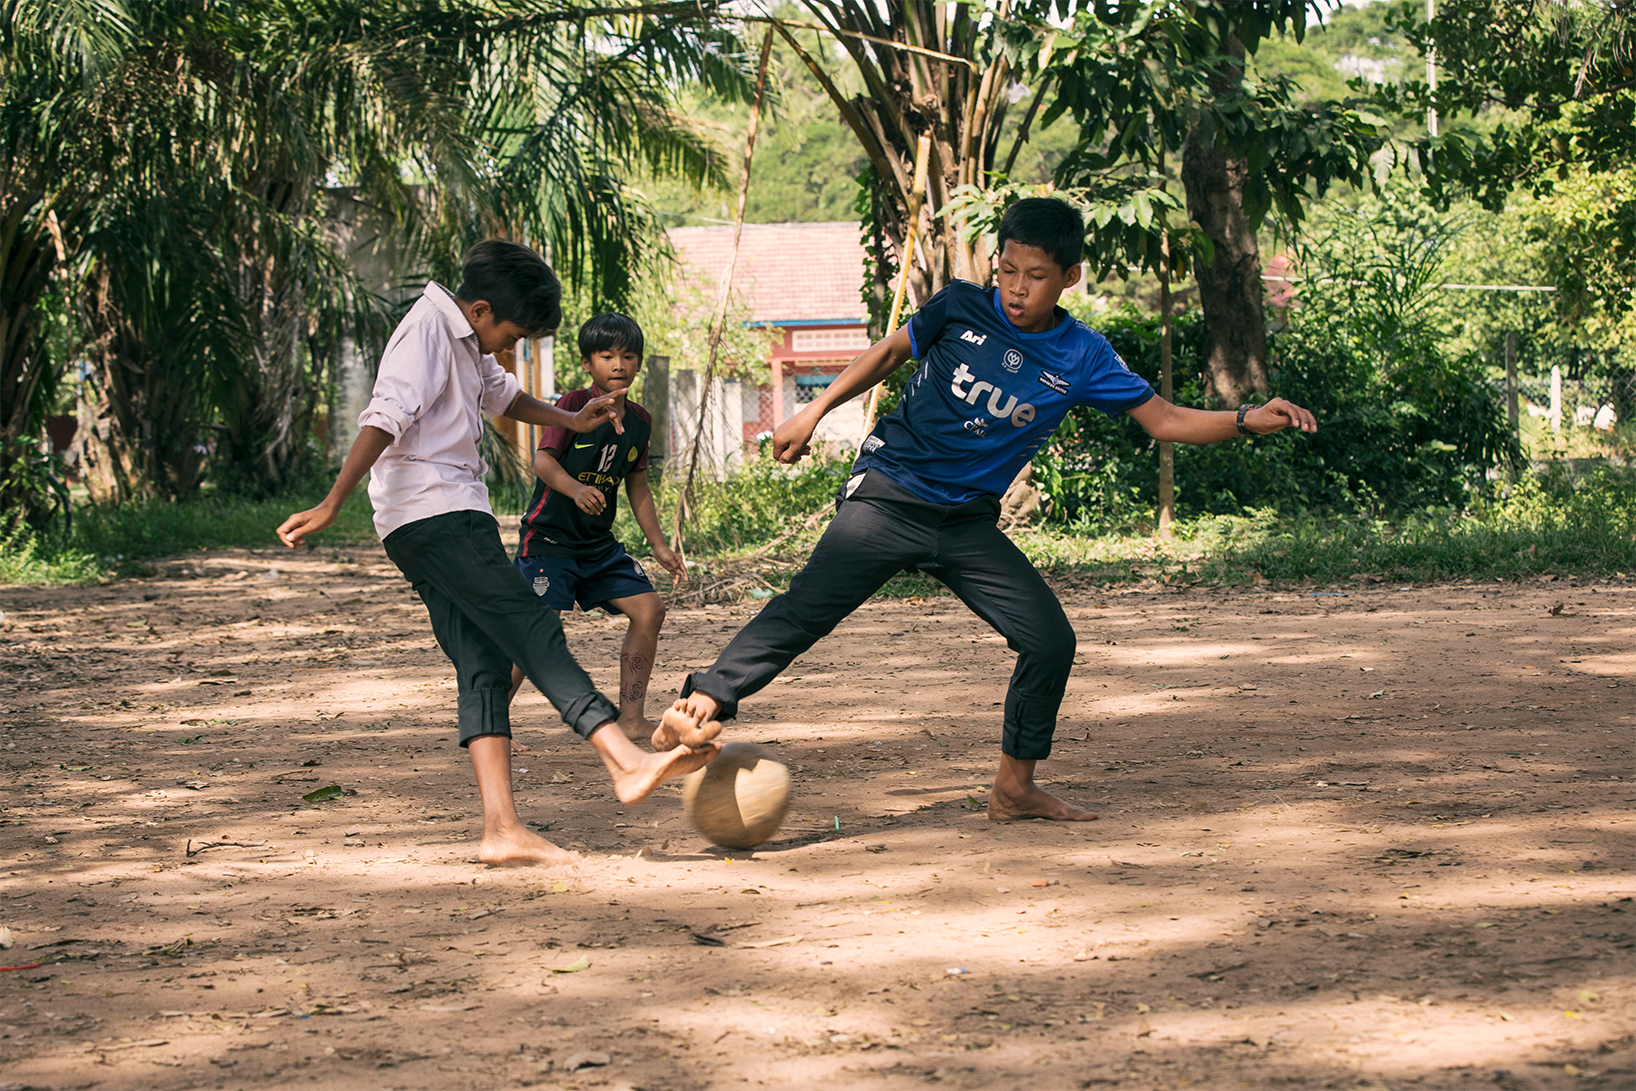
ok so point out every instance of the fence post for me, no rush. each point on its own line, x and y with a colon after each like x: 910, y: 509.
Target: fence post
x: 1512, y: 417
x: 1511, y: 414
x: 1556, y: 397
x: 656, y: 396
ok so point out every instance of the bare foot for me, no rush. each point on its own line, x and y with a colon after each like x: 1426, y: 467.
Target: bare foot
x: 1033, y: 802
x: 519, y: 846
x: 687, y: 723
x: 635, y: 782
x: 637, y: 728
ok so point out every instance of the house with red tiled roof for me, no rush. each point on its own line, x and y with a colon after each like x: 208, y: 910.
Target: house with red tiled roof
x: 804, y: 280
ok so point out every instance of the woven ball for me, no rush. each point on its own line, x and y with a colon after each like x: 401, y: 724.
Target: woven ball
x: 740, y: 799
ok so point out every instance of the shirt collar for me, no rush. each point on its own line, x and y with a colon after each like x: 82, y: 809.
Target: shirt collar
x: 443, y: 300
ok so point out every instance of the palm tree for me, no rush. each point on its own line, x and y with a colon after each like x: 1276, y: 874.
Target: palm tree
x: 206, y: 139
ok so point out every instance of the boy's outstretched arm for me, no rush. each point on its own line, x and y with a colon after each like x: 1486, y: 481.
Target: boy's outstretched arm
x: 365, y: 450
x: 530, y: 410
x: 1178, y: 424
x: 871, y: 366
x: 647, y: 517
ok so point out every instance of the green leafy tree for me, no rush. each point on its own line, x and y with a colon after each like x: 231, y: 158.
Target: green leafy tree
x: 203, y: 134
x: 1539, y: 98
x: 1168, y: 110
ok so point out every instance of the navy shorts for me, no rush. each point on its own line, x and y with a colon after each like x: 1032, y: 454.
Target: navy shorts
x: 592, y: 582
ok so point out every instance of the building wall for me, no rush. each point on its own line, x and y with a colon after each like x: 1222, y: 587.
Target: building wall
x: 806, y: 352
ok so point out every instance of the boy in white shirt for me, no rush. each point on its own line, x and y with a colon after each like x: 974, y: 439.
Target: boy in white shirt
x: 418, y: 443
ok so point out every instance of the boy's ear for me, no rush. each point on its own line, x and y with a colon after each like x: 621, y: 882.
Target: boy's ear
x: 1073, y: 276
x: 585, y: 363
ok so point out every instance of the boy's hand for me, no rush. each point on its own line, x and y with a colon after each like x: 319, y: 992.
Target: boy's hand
x: 590, y: 500
x: 1278, y: 415
x: 791, y: 440
x: 303, y: 523
x: 671, y: 562
x: 598, y: 411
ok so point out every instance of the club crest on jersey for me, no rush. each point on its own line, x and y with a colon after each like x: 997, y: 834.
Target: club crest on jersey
x: 1057, y: 383
x: 1020, y: 415
x: 974, y: 337
x: 542, y: 584
x: 1012, y: 361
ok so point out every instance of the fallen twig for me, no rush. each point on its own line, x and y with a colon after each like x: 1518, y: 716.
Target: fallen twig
x: 191, y: 851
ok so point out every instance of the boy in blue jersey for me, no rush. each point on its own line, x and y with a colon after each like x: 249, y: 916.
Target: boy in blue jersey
x: 999, y: 369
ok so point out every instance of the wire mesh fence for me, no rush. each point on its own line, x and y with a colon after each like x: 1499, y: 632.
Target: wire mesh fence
x: 1598, y: 403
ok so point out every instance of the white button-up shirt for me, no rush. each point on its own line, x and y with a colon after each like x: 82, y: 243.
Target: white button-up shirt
x: 433, y: 386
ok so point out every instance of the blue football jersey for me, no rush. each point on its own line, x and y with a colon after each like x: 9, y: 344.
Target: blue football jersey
x: 987, y: 395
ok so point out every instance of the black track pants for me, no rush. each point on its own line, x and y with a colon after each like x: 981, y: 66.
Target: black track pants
x: 878, y: 531
x: 485, y: 618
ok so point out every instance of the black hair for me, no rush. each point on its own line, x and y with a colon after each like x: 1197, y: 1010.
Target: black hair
x: 515, y: 282
x: 610, y: 331
x: 1049, y: 223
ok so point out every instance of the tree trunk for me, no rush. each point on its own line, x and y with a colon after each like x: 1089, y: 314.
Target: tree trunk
x: 1235, y: 322
x: 27, y: 264
x: 268, y: 412
x: 907, y: 93
x: 144, y: 438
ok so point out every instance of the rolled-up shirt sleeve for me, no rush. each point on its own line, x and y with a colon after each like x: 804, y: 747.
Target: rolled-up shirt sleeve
x: 409, y: 380
x: 500, y: 387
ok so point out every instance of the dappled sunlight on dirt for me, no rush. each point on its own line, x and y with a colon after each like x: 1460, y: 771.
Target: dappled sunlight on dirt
x: 1342, y: 843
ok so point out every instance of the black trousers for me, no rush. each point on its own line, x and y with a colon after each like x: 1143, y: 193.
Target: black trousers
x: 879, y: 530
x: 485, y: 618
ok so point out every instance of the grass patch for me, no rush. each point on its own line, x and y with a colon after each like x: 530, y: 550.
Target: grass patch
x: 750, y: 534
x: 114, y: 540
x: 127, y: 534
x: 1543, y: 525
x: 27, y: 557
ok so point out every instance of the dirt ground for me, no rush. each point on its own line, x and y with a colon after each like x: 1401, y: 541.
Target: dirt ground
x: 1377, y: 839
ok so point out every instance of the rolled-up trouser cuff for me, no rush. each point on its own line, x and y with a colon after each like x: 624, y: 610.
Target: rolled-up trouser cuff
x: 484, y: 712
x: 713, y: 687
x: 1030, y: 724
x: 588, y: 712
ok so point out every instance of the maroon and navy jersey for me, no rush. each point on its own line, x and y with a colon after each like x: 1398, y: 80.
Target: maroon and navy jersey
x: 553, y: 525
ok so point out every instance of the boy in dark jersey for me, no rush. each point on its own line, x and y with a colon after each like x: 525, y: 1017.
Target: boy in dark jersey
x: 566, y: 550
x: 999, y: 369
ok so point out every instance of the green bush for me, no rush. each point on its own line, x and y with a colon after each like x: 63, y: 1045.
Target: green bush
x: 760, y: 500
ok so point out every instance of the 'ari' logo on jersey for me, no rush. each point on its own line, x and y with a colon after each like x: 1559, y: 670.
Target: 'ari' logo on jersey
x: 973, y: 337
x: 1020, y: 414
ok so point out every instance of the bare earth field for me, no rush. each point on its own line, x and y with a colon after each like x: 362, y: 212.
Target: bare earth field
x: 1372, y: 840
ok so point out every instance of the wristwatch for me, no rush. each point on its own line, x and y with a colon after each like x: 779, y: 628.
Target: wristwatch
x: 1243, y: 409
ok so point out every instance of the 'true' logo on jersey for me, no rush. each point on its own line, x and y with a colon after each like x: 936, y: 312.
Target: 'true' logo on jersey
x: 1020, y: 414
x: 974, y: 338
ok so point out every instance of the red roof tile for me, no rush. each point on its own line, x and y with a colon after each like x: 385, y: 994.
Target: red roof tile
x: 801, y: 272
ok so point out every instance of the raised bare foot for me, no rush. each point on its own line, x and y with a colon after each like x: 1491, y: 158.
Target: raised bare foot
x: 1032, y: 802
x: 686, y: 723
x: 519, y: 846
x: 634, y: 783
